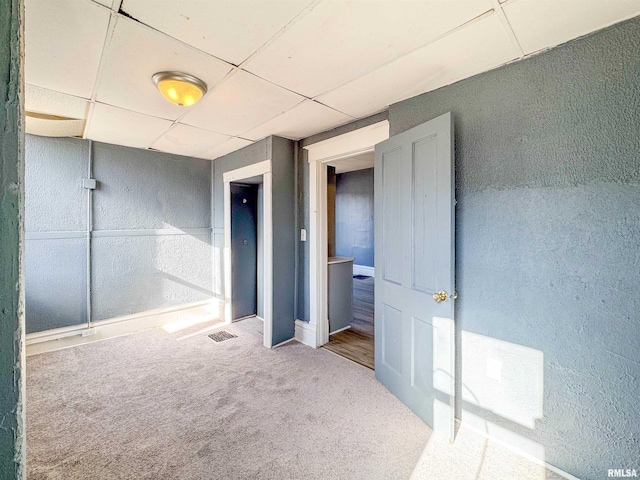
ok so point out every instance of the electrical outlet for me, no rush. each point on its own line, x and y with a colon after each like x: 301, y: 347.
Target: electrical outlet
x: 303, y: 235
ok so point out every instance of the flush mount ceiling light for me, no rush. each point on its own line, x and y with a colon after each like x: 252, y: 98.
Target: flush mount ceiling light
x: 180, y: 88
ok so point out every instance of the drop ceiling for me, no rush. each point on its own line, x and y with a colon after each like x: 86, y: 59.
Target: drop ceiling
x: 292, y: 68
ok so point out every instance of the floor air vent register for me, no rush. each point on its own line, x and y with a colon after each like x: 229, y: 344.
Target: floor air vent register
x: 222, y: 336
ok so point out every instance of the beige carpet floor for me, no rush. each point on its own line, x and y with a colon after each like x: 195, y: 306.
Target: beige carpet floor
x: 158, y: 405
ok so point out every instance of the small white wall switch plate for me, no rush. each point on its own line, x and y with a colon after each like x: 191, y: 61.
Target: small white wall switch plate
x: 89, y: 183
x: 303, y: 235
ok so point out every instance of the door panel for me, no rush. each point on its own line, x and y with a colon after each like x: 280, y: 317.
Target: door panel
x: 414, y: 242
x: 244, y: 250
x: 392, y: 339
x: 391, y: 220
x: 424, y: 215
x: 421, y: 361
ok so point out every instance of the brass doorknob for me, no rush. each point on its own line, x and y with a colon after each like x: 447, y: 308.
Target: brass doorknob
x: 440, y: 296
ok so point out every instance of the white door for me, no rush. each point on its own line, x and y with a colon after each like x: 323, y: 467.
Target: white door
x: 414, y: 258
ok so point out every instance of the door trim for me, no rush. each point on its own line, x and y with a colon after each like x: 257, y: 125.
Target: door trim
x: 342, y: 146
x: 257, y: 169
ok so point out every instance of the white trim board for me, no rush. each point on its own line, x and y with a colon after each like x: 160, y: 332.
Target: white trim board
x: 249, y: 171
x: 305, y: 333
x: 364, y: 270
x: 349, y: 144
x: 340, y: 330
x: 154, y: 232
x: 66, y: 337
x: 257, y: 169
x: 341, y: 146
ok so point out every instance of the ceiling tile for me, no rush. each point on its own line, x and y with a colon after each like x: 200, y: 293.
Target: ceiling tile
x: 190, y: 141
x: 52, y: 127
x: 303, y: 120
x: 63, y: 44
x: 41, y: 100
x: 137, y: 52
x: 541, y: 24
x: 475, y: 48
x: 339, y: 41
x: 242, y: 101
x: 123, y: 127
x: 229, y: 30
x: 227, y: 147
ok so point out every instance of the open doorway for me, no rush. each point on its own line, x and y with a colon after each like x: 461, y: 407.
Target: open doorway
x: 350, y: 237
x: 350, y: 148
x: 246, y: 249
x: 248, y: 218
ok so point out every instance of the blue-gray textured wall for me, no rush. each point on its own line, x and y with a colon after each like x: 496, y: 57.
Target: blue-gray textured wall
x: 12, y: 424
x: 354, y: 216
x: 55, y: 224
x: 151, y: 244
x: 284, y: 238
x: 547, y: 257
x: 167, y: 194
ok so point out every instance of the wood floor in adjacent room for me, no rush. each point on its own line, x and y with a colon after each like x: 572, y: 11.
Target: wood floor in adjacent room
x: 356, y: 343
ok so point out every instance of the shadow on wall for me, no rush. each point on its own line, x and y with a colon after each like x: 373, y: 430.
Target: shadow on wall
x: 502, y: 395
x: 139, y: 273
x: 503, y: 379
x: 503, y: 391
x: 184, y: 283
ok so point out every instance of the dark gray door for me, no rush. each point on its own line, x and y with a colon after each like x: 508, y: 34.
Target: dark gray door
x: 414, y: 257
x: 244, y: 250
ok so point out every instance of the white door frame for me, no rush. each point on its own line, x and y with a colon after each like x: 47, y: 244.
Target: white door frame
x: 257, y: 169
x: 343, y: 146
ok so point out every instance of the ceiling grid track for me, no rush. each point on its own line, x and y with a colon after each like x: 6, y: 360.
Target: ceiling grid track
x: 113, y: 19
x: 124, y: 14
x: 497, y: 6
x: 281, y: 32
x: 351, y: 117
x: 315, y: 100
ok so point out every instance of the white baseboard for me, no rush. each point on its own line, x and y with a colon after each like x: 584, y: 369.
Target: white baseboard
x: 364, y: 270
x: 305, y: 333
x: 66, y: 337
x: 516, y: 450
x: 340, y: 330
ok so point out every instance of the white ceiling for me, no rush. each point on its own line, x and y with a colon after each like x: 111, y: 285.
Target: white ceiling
x: 286, y: 67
